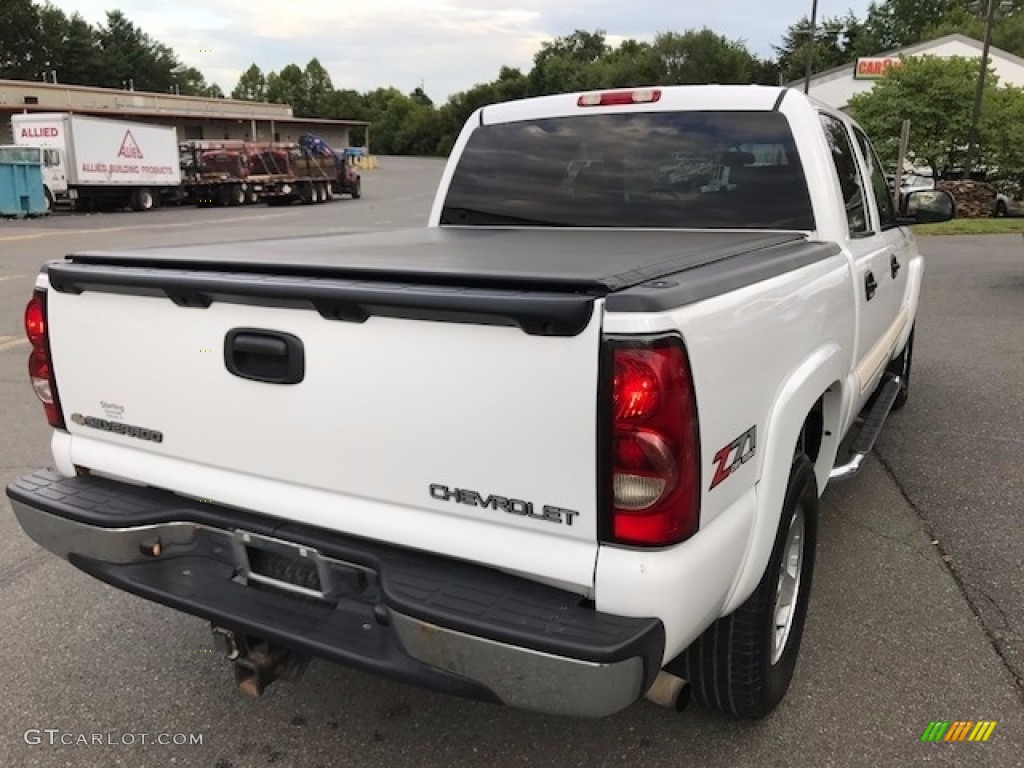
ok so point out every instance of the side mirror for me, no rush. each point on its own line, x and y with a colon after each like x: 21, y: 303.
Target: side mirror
x: 927, y: 206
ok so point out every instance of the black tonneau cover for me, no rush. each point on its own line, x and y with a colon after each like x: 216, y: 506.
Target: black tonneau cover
x: 597, y: 261
x: 543, y: 280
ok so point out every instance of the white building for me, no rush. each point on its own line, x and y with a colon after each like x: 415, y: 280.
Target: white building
x: 837, y: 86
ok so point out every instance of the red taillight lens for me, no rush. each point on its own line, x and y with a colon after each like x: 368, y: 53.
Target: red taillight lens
x: 40, y: 370
x: 35, y: 321
x: 655, y: 455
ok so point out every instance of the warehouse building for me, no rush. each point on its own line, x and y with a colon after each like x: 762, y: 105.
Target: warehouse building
x: 194, y: 117
x: 837, y: 86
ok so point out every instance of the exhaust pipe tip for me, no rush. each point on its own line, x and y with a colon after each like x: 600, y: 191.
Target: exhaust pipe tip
x: 669, y: 691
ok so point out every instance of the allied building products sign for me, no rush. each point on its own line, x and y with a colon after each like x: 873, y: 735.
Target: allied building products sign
x: 874, y: 67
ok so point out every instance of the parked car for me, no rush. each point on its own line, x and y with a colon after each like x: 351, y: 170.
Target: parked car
x: 1008, y: 205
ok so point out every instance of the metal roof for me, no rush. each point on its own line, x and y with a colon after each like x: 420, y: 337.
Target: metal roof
x: 164, y: 113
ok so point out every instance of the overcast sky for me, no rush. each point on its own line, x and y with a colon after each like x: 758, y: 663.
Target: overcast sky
x: 444, y: 45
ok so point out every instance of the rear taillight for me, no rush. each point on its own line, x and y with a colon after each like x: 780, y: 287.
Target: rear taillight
x: 654, y: 444
x: 40, y: 369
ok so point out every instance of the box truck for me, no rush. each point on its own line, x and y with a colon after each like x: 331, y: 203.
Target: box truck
x: 96, y: 162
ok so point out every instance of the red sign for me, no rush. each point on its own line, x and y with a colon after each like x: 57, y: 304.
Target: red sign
x: 39, y: 133
x: 129, y: 147
x: 874, y: 68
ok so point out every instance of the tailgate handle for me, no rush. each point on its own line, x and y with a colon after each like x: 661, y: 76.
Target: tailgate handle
x: 268, y: 356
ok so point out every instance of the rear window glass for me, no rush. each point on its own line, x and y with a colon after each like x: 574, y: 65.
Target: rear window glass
x: 699, y: 170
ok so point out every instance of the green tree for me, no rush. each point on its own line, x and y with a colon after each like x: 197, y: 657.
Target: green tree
x: 702, y: 56
x: 319, y: 89
x: 936, y: 95
x: 894, y: 24
x: 19, y: 40
x: 388, y: 109
x: 632, y: 63
x: 189, y: 81
x: 252, y: 85
x: 289, y: 87
x: 129, y: 55
x: 1007, y: 31
x: 837, y: 41
x: 567, y: 63
x: 79, y: 57
x: 1002, y: 132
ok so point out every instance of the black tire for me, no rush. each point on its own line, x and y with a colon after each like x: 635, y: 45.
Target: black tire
x: 357, y: 188
x: 236, y: 195
x: 1000, y: 209
x: 901, y: 367
x: 49, y: 199
x: 143, y: 199
x: 730, y: 667
x: 306, y: 193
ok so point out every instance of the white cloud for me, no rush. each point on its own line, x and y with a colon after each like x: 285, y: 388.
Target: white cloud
x: 448, y: 45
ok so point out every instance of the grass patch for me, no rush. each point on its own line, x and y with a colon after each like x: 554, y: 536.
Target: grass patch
x: 972, y: 227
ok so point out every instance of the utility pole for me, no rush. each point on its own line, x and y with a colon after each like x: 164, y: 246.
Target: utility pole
x: 810, y: 46
x: 972, y: 136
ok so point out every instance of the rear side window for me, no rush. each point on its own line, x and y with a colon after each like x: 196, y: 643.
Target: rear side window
x: 699, y: 170
x: 849, y: 175
x: 883, y: 197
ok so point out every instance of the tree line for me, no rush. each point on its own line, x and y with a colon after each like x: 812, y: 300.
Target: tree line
x: 412, y: 124
x: 41, y: 42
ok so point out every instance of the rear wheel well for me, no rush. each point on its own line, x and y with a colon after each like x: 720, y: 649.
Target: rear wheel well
x: 811, y: 432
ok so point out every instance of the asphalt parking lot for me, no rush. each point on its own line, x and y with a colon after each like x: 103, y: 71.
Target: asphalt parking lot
x: 916, y: 612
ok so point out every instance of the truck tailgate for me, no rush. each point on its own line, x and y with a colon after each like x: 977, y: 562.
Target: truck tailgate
x: 442, y: 429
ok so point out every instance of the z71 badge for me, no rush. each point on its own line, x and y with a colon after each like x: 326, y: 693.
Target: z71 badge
x: 733, y: 456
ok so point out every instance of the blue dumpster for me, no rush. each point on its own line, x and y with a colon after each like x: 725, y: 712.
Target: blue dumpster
x: 21, y: 182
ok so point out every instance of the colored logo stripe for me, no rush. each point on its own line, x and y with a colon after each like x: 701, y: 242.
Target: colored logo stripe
x: 982, y: 730
x: 935, y: 731
x: 958, y: 730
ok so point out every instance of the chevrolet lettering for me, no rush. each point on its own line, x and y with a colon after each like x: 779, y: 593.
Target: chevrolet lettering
x: 513, y: 506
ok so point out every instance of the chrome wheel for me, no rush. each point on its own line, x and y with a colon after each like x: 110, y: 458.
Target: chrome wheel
x: 787, y: 590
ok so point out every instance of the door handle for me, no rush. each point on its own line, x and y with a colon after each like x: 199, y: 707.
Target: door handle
x: 870, y: 285
x: 272, y: 357
x: 894, y: 266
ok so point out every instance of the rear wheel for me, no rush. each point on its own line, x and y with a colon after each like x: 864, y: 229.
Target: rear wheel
x: 236, y: 195
x: 1001, y: 208
x: 743, y: 664
x: 143, y: 199
x: 357, y: 188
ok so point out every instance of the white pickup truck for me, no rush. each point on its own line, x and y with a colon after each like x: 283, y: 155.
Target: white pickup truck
x: 560, y: 449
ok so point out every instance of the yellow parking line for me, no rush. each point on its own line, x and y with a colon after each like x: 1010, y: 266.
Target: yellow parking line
x: 107, y: 230
x: 5, y: 345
